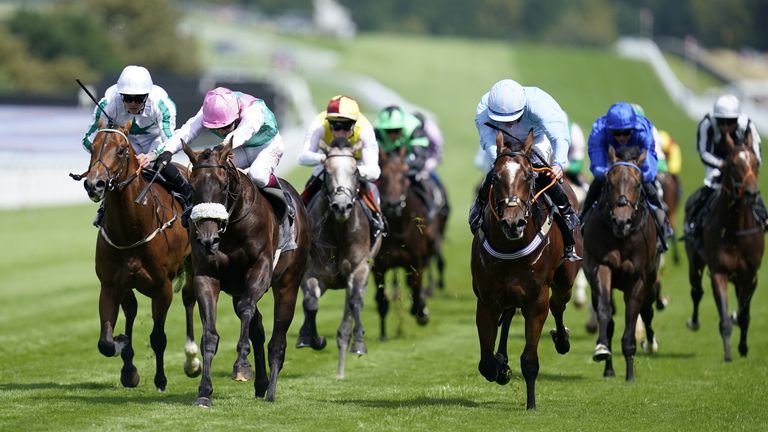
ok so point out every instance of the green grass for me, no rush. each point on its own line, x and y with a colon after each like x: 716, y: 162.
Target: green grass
x: 693, y: 77
x: 53, y: 378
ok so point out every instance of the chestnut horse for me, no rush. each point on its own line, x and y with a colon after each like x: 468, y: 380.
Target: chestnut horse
x: 237, y: 248
x: 621, y: 252
x: 515, y: 263
x: 342, y: 250
x: 731, y: 243
x: 412, y: 241
x: 140, y: 246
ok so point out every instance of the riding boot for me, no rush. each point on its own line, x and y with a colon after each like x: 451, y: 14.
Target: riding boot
x: 379, y: 225
x: 422, y: 189
x: 99, y: 215
x: 693, y: 223
x: 758, y: 209
x: 663, y: 227
x: 569, y: 219
x: 476, y: 211
x: 445, y: 208
x: 311, y: 188
x: 181, y: 188
x: 595, y: 189
x: 276, y: 190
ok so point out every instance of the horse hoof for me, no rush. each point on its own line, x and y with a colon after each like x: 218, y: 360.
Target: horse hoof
x: 610, y: 373
x: 601, y: 353
x: 358, y: 348
x: 505, y: 375
x: 203, y: 402
x: 562, y: 345
x: 318, y: 343
x: 650, y: 348
x: 129, y: 377
x: 693, y: 325
x: 193, y: 368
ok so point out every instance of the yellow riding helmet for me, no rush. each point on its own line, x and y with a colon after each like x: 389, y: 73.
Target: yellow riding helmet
x: 342, y: 108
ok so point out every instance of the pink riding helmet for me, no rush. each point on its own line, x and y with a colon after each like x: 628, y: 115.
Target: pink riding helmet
x: 220, y: 108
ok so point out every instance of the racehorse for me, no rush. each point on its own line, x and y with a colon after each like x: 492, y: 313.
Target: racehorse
x: 341, y: 252
x: 730, y: 243
x: 242, y: 245
x: 621, y: 252
x: 515, y: 262
x: 141, y: 245
x: 413, y: 237
x: 671, y: 193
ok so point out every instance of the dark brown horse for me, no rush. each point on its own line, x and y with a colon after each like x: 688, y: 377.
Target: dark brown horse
x: 671, y: 193
x: 514, y: 265
x: 731, y: 243
x: 620, y: 252
x: 140, y: 246
x: 413, y: 238
x: 237, y: 247
x: 342, y: 250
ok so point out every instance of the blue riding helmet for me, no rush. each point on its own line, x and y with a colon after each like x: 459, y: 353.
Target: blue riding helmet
x: 620, y: 115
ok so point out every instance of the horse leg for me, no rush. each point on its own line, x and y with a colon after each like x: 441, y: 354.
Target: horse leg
x: 695, y: 273
x: 535, y: 315
x: 561, y: 294
x: 744, y: 293
x: 603, y: 308
x: 258, y: 337
x: 382, y: 302
x: 343, y: 335
x: 418, y: 307
x: 129, y: 376
x: 487, y: 321
x: 308, y: 336
x: 244, y: 307
x: 157, y: 338
x: 502, y: 359
x: 720, y: 291
x: 359, y: 285
x: 108, y: 310
x: 286, y: 292
x: 192, y: 365
x: 632, y: 300
x: 440, y: 269
x: 207, y: 290
x: 649, y: 345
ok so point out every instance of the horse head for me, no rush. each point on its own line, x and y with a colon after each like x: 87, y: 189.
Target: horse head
x: 341, y: 183
x: 741, y: 168
x: 511, y: 192
x: 394, y: 182
x: 112, y: 159
x: 212, y: 170
x: 624, y: 193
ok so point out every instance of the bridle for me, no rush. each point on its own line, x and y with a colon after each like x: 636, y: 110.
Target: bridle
x: 331, y: 192
x: 234, y: 197
x: 124, y: 163
x: 736, y: 188
x: 622, y: 200
x: 498, y: 206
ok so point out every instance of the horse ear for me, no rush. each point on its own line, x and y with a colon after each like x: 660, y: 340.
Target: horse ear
x: 611, y: 154
x: 499, y: 143
x: 191, y: 154
x: 323, y: 147
x: 528, y: 142
x: 101, y: 123
x: 729, y: 143
x: 641, y: 158
x: 357, y: 147
x: 127, y: 126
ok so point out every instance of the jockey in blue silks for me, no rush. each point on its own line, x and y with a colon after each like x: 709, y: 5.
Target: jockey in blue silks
x: 622, y: 127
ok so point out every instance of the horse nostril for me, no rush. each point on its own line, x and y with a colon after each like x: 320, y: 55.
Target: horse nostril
x: 100, y: 184
x: 348, y: 207
x: 520, y: 223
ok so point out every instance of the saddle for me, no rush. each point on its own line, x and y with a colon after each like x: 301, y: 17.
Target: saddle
x: 281, y: 202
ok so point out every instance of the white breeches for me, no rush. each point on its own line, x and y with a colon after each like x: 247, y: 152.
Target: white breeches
x: 260, y: 161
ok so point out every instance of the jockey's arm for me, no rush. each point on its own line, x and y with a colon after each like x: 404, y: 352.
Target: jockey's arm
x: 250, y: 123
x: 650, y: 165
x: 186, y: 133
x: 310, y: 154
x: 705, y: 146
x: 755, y: 141
x: 597, y: 145
x: 368, y: 166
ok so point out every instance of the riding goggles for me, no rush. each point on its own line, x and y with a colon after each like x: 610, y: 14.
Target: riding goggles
x: 127, y: 98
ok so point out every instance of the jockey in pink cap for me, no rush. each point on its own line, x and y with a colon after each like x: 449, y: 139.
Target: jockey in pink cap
x: 251, y: 126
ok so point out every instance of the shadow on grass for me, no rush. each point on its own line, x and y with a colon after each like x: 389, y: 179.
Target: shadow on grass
x: 72, y: 392
x: 419, y: 402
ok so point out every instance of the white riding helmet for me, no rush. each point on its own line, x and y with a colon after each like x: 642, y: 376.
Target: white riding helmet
x: 727, y: 107
x: 506, y: 101
x: 134, y: 80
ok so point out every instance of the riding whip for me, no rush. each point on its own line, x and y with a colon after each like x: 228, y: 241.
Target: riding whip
x: 111, y: 122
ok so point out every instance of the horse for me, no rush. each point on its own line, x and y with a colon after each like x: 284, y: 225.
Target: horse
x: 239, y: 246
x: 341, y: 252
x: 730, y: 243
x: 413, y: 237
x: 515, y: 263
x: 671, y: 193
x: 141, y: 245
x: 621, y: 252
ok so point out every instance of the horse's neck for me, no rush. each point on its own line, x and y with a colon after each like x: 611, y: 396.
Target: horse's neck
x: 733, y: 214
x: 247, y: 197
x: 124, y: 217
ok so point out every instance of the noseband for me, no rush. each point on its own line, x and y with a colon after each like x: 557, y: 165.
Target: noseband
x: 622, y: 200
x: 112, y: 178
x: 218, y: 211
x: 332, y: 192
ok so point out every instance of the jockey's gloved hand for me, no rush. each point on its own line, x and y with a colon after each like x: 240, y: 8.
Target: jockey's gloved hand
x: 163, y: 159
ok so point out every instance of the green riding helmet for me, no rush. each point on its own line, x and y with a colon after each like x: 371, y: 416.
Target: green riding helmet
x: 391, y: 117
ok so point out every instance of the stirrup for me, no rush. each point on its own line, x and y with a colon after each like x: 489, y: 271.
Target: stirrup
x: 570, y: 254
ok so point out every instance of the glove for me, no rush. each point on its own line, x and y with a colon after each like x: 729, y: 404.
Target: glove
x: 163, y: 159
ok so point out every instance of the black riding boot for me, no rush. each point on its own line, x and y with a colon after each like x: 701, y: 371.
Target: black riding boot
x: 566, y: 219
x: 595, y: 189
x: 275, y: 190
x: 181, y: 187
x: 313, y: 185
x: 663, y: 227
x: 693, y: 217
x: 379, y: 224
x: 476, y: 211
x: 758, y: 208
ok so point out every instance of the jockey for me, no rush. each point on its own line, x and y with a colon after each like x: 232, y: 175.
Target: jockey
x: 576, y: 155
x: 434, y: 155
x: 622, y: 127
x: 153, y: 118
x: 343, y: 119
x: 251, y: 126
x: 726, y: 117
x: 514, y: 110
x: 396, y: 129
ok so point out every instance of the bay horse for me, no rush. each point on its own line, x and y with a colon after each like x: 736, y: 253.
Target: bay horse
x: 237, y: 247
x: 621, y: 252
x: 342, y: 250
x: 731, y: 243
x: 140, y: 246
x: 413, y: 237
x: 516, y: 262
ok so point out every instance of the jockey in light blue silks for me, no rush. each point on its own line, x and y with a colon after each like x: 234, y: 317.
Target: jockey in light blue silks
x: 514, y: 110
x: 622, y: 127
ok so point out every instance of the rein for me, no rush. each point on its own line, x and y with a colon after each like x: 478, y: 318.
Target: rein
x: 237, y: 195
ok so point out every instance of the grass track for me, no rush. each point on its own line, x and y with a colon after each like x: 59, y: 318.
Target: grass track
x: 52, y: 376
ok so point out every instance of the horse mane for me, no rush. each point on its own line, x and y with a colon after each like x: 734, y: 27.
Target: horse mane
x: 628, y: 153
x: 340, y: 143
